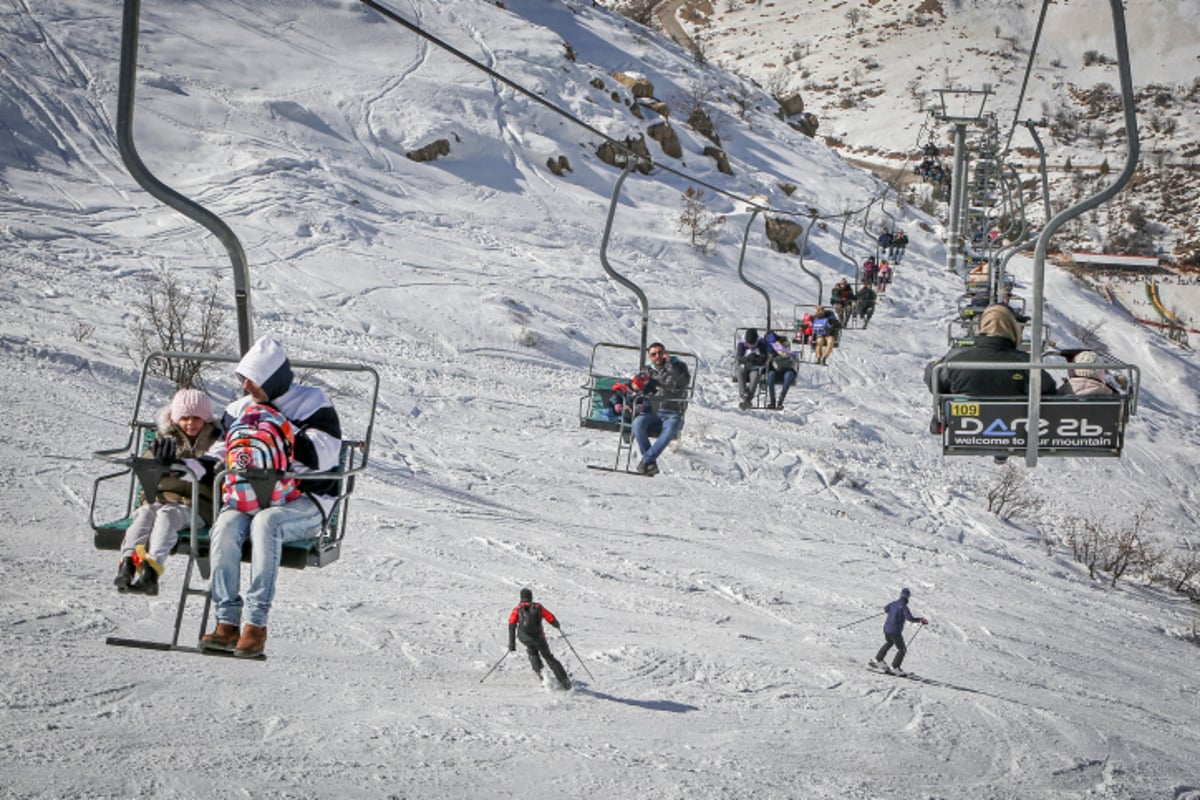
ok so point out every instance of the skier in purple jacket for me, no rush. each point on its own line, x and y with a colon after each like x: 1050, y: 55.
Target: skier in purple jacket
x: 893, y: 633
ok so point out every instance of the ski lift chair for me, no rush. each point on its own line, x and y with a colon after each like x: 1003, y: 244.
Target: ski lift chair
x: 612, y: 364
x: 140, y: 476
x: 798, y: 312
x: 1080, y: 426
x: 961, y: 332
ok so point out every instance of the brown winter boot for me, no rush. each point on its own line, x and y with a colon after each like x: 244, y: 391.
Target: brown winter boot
x: 223, y: 638
x: 251, y: 642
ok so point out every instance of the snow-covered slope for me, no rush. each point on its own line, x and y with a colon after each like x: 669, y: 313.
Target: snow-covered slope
x: 708, y: 609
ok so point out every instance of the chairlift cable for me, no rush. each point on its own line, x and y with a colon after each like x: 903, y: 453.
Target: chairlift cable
x: 1028, y: 71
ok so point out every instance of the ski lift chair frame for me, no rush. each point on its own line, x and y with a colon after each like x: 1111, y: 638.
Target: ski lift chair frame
x: 978, y: 282
x: 853, y: 321
x: 968, y: 308
x: 1087, y: 426
x: 603, y: 373
x: 961, y: 332
x: 319, y: 550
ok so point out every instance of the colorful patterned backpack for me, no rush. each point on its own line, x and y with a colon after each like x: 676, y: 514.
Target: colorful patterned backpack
x: 260, y: 439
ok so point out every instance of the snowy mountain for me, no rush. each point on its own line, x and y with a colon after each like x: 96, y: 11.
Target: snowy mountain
x: 719, y: 615
x: 871, y: 73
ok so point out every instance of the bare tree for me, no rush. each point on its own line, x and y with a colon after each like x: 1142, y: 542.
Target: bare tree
x: 1009, y: 496
x: 702, y: 225
x: 172, y: 318
x: 1116, y: 548
x: 1183, y: 567
x: 1127, y: 548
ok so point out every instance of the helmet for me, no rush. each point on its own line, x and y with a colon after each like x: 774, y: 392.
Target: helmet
x: 526, y: 595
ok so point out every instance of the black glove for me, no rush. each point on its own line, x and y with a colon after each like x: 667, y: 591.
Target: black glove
x: 164, y: 450
x: 555, y: 624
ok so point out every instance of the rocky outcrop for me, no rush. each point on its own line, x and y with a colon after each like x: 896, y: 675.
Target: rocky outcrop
x: 806, y: 124
x: 667, y: 139
x: 615, y: 155
x: 722, y: 160
x: 639, y: 85
x: 782, y: 234
x: 431, y: 151
x: 558, y: 165
x: 790, y: 106
x: 702, y: 123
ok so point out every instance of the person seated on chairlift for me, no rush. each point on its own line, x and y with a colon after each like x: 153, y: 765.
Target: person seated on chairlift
x: 1084, y: 382
x: 998, y: 335
x: 752, y: 356
x: 665, y: 387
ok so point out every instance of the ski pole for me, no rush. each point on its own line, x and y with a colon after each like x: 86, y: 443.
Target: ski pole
x: 493, y: 669
x: 913, y: 638
x: 568, y: 641
x: 864, y: 619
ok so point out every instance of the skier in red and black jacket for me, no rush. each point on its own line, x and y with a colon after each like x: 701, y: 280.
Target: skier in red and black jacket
x: 525, y: 623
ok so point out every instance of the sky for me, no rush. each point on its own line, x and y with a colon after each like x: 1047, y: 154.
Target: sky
x: 717, y: 617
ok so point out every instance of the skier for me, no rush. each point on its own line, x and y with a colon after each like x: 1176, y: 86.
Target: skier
x: 893, y: 634
x: 525, y: 622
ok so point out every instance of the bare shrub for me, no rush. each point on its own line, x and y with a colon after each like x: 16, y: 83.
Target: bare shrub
x: 702, y: 225
x: 1088, y: 333
x: 1010, y: 497
x: 1129, y: 549
x: 1183, y: 568
x: 173, y: 318
x: 81, y: 330
x: 1105, y: 545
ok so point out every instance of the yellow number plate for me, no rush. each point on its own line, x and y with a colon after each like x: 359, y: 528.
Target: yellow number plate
x: 964, y: 409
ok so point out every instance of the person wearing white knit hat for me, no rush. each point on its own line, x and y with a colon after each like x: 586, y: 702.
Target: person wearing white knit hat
x: 266, y: 376
x: 185, y: 431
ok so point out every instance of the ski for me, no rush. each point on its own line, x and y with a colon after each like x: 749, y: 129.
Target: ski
x: 886, y: 670
x: 619, y: 471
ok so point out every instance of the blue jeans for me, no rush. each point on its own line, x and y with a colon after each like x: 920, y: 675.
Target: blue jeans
x: 665, y: 425
x: 267, y: 530
x: 789, y: 377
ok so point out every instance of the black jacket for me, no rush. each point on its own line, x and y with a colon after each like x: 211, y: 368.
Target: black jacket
x: 986, y: 383
x: 753, y: 355
x: 669, y: 385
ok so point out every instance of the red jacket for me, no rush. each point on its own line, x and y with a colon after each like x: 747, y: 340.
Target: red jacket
x: 545, y: 616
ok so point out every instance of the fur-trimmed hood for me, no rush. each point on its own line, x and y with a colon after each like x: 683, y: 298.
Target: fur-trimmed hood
x: 204, y: 440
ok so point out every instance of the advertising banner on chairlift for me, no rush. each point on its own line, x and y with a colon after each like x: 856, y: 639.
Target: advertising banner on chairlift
x: 986, y: 426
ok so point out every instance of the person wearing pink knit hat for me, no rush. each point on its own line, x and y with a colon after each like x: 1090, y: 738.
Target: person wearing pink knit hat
x: 185, y: 430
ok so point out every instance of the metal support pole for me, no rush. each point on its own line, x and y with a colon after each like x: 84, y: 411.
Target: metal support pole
x: 189, y: 208
x: 631, y: 161
x: 1052, y: 226
x: 958, y: 180
x: 742, y: 264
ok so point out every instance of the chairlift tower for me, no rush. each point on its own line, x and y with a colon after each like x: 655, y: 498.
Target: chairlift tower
x: 958, y: 181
